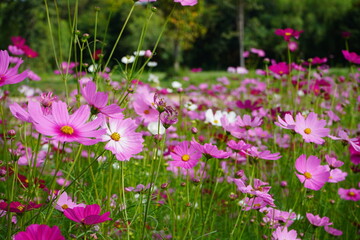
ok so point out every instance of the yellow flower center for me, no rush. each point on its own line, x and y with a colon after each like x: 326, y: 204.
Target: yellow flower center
x: 115, y: 136
x: 287, y: 34
x: 20, y: 207
x: 65, y: 206
x: 307, y: 130
x: 185, y: 157
x: 257, y: 205
x: 216, y: 121
x: 281, y: 72
x: 307, y: 175
x: 67, y: 130
x: 351, y: 194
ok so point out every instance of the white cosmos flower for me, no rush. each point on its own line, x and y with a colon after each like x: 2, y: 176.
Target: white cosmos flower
x: 152, y: 64
x: 153, y: 128
x: 128, y: 59
x: 176, y: 84
x: 212, y: 118
x: 140, y: 53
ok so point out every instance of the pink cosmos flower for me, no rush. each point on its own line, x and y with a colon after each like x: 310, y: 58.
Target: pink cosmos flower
x: 210, y: 151
x: 64, y: 127
x: 266, y: 155
x: 247, y: 121
x: 33, y: 76
x: 121, y: 138
x: 185, y: 155
x: 98, y: 101
x: 354, y: 142
x: 333, y: 162
x: 336, y: 175
x: 36, y: 232
x: 317, y: 220
x: 66, y: 68
x: 351, y: 56
x: 287, y: 33
x: 144, y: 107
x: 187, y: 2
x: 349, y: 194
x: 281, y: 68
x: 333, y: 231
x: 312, y: 174
x: 287, y: 123
x: 88, y: 215
x: 293, y: 46
x: 10, y: 75
x: 310, y: 128
x: 15, y: 50
x: 282, y: 233
x: 64, y: 201
x: 238, y: 146
x: 277, y: 218
x: 19, y: 112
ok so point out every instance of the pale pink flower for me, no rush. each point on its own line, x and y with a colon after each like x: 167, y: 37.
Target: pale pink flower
x: 282, y: 233
x: 287, y: 123
x: 121, y: 138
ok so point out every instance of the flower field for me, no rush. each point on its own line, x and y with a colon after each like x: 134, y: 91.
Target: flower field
x: 271, y: 153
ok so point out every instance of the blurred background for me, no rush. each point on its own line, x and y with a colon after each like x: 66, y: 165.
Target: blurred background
x: 211, y: 35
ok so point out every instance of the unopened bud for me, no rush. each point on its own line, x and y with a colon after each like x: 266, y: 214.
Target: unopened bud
x: 11, y: 133
x: 164, y: 185
x: 194, y: 130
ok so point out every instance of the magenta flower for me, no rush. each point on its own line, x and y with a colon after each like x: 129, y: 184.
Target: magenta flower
x: 10, y: 75
x: 282, y: 233
x: 18, y: 207
x: 312, y: 174
x: 88, y: 215
x: 121, y: 138
x: 311, y: 129
x: 317, y: 220
x: 349, y: 194
x: 351, y: 56
x: 281, y: 68
x: 36, y: 232
x: 287, y: 33
x: 317, y: 60
x: 185, y: 155
x: 187, y: 2
x: 99, y: 100
x: 64, y: 127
